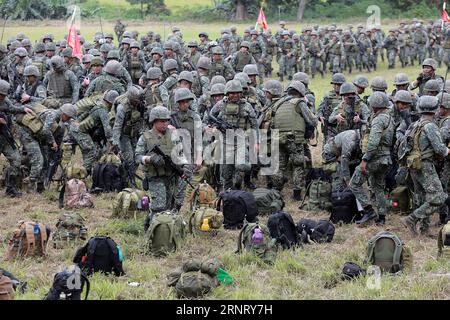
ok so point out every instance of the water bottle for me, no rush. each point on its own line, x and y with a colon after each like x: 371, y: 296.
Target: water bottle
x: 205, y: 225
x: 257, y: 237
x: 36, y: 229
x: 145, y: 203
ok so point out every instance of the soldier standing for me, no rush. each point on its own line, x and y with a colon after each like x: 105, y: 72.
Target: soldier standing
x: 421, y: 41
x: 16, y: 68
x: 287, y: 56
x: 258, y: 50
x: 61, y: 83
x: 220, y: 67
x: 119, y: 29
x: 134, y: 62
x: 242, y: 58
x: 107, y: 81
x: 429, y: 67
x: 392, y: 47
x: 33, y: 90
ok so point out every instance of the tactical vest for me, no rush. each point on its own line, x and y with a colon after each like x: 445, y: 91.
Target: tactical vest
x: 335, y: 49
x: 186, y: 121
x: 135, y: 62
x: 243, y: 59
x: 419, y: 38
x: 132, y: 123
x: 255, y: 49
x: 39, y: 62
x: 166, y: 145
x: 365, y: 135
x: 345, y: 125
x: 59, y: 85
x: 233, y: 114
x: 152, y: 95
x: 334, y: 100
x: 89, y: 123
x: 217, y: 69
x: 287, y: 119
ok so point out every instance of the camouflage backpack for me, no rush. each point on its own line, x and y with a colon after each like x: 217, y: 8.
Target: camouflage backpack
x: 32, y: 121
x: 203, y: 195
x: 319, y: 196
x: 129, y: 202
x: 444, y: 241
x: 268, y: 201
x: 29, y: 239
x: 85, y: 105
x: 165, y: 233
x: 75, y: 170
x: 388, y: 251
x: 255, y: 237
x: 205, y: 219
x: 69, y: 228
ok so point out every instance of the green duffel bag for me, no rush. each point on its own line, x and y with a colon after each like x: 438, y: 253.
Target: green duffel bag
x: 165, y: 233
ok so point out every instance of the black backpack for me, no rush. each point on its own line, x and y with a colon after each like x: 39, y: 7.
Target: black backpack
x: 237, y: 206
x: 351, y: 270
x: 100, y: 254
x: 282, y: 228
x: 316, y: 231
x: 344, y: 208
x: 108, y: 177
x: 71, y: 282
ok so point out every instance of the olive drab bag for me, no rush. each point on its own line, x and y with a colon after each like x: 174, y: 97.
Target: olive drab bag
x: 204, y: 219
x: 75, y: 170
x: 387, y: 251
x: 70, y: 228
x: 129, y: 202
x: 165, y: 233
x: 400, y: 200
x: 319, y: 196
x: 268, y: 201
x: 256, y: 238
x: 6, y: 287
x: 29, y: 239
x: 32, y: 120
x: 444, y: 241
x: 409, y: 153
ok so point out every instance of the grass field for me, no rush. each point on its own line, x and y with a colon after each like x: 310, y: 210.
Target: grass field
x: 309, y: 273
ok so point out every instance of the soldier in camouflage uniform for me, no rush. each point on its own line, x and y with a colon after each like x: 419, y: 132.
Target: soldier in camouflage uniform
x: 401, y: 82
x: 444, y: 167
x: 190, y: 59
x: 33, y: 90
x: 166, y: 90
x: 310, y: 96
x: 258, y: 50
x: 336, y: 53
x: 204, y: 40
x: 122, y: 73
x: 16, y: 68
x: 421, y: 41
x: 162, y: 181
x: 427, y: 144
x: 377, y: 141
x: 72, y: 63
x: 134, y: 62
x: 156, y: 59
x: 169, y: 53
x: 271, y: 49
x: 107, y: 81
x: 4, y: 62
x: 429, y: 66
x: 365, y: 51
x: 404, y: 43
x: 229, y: 48
x: 61, y: 83
x: 39, y: 60
x: 152, y: 92
x: 242, y: 58
x: 287, y: 59
x: 361, y: 83
x: 219, y: 67
x: 351, y: 50
x: 392, y: 47
x: 200, y: 86
x: 119, y: 29
x: 216, y: 94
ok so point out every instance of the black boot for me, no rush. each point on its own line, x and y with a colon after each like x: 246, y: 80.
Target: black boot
x: 297, y: 195
x: 248, y: 182
x: 369, y: 215
x: 381, y: 221
x: 11, y: 187
x: 40, y: 187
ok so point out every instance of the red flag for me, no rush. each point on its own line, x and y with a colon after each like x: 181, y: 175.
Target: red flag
x: 445, y: 16
x: 74, y: 42
x: 262, y: 20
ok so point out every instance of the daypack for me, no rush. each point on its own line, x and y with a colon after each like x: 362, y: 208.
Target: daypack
x: 319, y: 193
x: 268, y: 201
x: 129, y: 202
x: 444, y: 241
x: 195, y: 278
x: 203, y: 195
x: 70, y: 282
x: 32, y: 121
x: 237, y: 206
x: 283, y: 229
x: 351, y: 271
x: 205, y: 219
x: 29, y: 239
x: 75, y: 170
x: 256, y: 238
x: 74, y: 195
x: 344, y: 208
x: 70, y: 228
x: 6, y: 288
x: 316, y: 231
x: 100, y: 254
x: 85, y: 105
x: 387, y: 251
x: 165, y: 233
x: 108, y: 175
x: 400, y: 199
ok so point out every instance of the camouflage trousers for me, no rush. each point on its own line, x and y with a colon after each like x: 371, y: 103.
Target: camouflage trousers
x: 35, y: 154
x: 429, y: 193
x: 364, y: 61
x: 391, y: 57
x: 421, y: 53
x: 375, y: 176
x: 260, y: 66
x: 350, y: 61
x: 12, y: 155
x: 87, y: 147
x: 335, y: 63
x: 162, y: 191
x: 444, y: 176
x: 446, y: 57
x: 316, y: 66
x: 437, y: 53
x: 404, y: 56
x: 127, y: 145
x: 287, y: 65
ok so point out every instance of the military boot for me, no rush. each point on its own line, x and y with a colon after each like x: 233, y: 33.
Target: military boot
x: 369, y: 214
x: 248, y: 182
x: 410, y: 223
x: 381, y: 221
x: 40, y: 187
x: 11, y: 187
x: 297, y: 195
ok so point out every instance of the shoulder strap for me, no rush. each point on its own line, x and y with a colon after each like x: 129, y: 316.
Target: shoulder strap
x: 44, y: 237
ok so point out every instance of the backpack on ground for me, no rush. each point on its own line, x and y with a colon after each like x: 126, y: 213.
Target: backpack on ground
x: 129, y: 202
x: 204, y: 219
x: 283, y: 229
x: 6, y: 287
x: 344, y: 207
x: 75, y: 170
x: 256, y: 238
x: 70, y: 228
x: 109, y: 175
x: 237, y: 206
x: 203, y: 195
x: 29, y: 239
x: 400, y: 200
x: 195, y: 278
x: 74, y: 195
x: 444, y: 241
x: 313, y: 231
x: 100, y: 254
x: 18, y: 285
x: 351, y: 271
x: 165, y: 233
x: 268, y: 201
x: 63, y: 290
x: 318, y: 193
x: 387, y: 251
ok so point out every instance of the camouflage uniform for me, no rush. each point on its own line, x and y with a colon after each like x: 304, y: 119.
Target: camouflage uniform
x: 326, y: 107
x: 36, y: 91
x: 167, y: 88
x: 345, y: 110
x: 365, y: 51
x: 335, y: 53
x: 287, y: 58
x: 104, y: 83
x: 258, y: 50
x: 239, y: 60
x: 221, y: 68
x: 421, y: 41
x: 84, y: 141
x: 62, y: 85
x: 391, y: 45
x: 404, y: 42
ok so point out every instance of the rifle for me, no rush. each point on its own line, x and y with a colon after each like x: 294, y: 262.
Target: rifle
x: 168, y: 160
x: 222, y: 125
x: 189, y: 62
x: 55, y: 158
x: 6, y: 132
x: 130, y: 173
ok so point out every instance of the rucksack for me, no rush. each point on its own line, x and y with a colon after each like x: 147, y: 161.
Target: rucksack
x: 318, y: 193
x: 6, y: 288
x: 100, y: 254
x: 344, y: 208
x: 400, y: 199
x: 202, y: 216
x: 75, y: 170
x: 66, y: 283
x: 29, y: 239
x: 165, y: 233
x: 351, y: 270
x: 237, y: 206
x: 69, y: 228
x: 387, y: 251
x: 256, y: 238
x: 85, y: 105
x: 268, y: 201
x: 203, y: 195
x: 444, y: 241
x: 74, y: 195
x: 32, y: 121
x: 18, y: 285
x: 283, y: 229
x: 109, y: 175
x: 313, y: 231
x: 129, y: 202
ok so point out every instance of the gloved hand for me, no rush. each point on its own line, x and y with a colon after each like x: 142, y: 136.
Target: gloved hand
x: 157, y: 160
x: 187, y: 172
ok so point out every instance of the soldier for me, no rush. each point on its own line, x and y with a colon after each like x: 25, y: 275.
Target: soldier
x: 156, y: 61
x: 271, y: 49
x: 432, y: 88
x: 162, y: 181
x: 107, y: 81
x: 33, y: 90
x: 429, y: 66
x: 119, y: 29
x: 351, y: 49
x: 166, y: 90
x: 404, y: 43
x: 61, y: 83
x: 39, y: 60
x: 426, y: 145
x: 237, y: 39
x: 152, y: 90
x: 216, y: 94
x: 204, y: 40
x: 200, y: 86
x: 16, y: 68
x: 104, y: 50
x: 229, y: 48
x: 72, y: 63
x: 134, y: 62
x: 444, y: 168
x: 365, y: 51
x: 219, y: 66
x: 185, y: 80
x: 327, y: 105
x: 310, y: 96
x: 96, y: 69
x: 169, y: 53
x: 242, y: 58
x: 376, y: 147
x: 50, y: 51
x: 392, y: 47
x: 336, y: 53
x: 258, y: 50
x: 316, y: 52
x: 4, y: 62
x: 361, y: 83
x: 190, y: 60
x: 421, y: 41
x: 287, y: 59
x: 122, y: 74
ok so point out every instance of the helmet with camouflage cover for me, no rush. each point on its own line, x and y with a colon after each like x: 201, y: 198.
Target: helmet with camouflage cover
x: 251, y: 70
x: 97, y: 61
x: 48, y: 36
x: 183, y: 94
x: 40, y: 47
x: 217, y: 50
x: 15, y: 44
x: 105, y: 48
x: 217, y: 89
x: 21, y: 52
x: 69, y: 110
x: 233, y: 29
x: 4, y: 87
x: 379, y: 100
x: 134, y: 93
x: 242, y: 80
x: 170, y: 64
x: 3, y: 49
x: 286, y: 33
x: 31, y: 70
x: 254, y: 32
x: 126, y: 41
x: 244, y: 77
x: 50, y: 46
x: 302, y: 77
x: 361, y: 81
x: 127, y: 34
x: 430, y: 62
x: 297, y: 86
x: 245, y: 44
x: 217, y: 79
x: 427, y: 104
x: 274, y: 87
x: 110, y: 96
x: 157, y: 50
x: 67, y: 53
x: 159, y: 113
x: 57, y: 62
x: 95, y: 52
x: 109, y: 36
x: 26, y: 42
x: 403, y: 96
x: 347, y: 88
x: 186, y: 76
x: 432, y: 86
x: 337, y: 78
x: 379, y: 83
x: 134, y: 44
x: 203, y: 34
x: 204, y: 63
x: 154, y: 73
x: 225, y: 37
x: 401, y: 79
x: 192, y: 44
x: 233, y: 86
x: 444, y: 99
x: 113, y: 55
x: 113, y: 67
x: 296, y: 37
x: 168, y: 45
x: 87, y: 46
x: 20, y: 36
x: 212, y: 44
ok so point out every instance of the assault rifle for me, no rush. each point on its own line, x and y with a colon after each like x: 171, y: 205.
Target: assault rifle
x: 6, y: 132
x: 221, y: 125
x: 54, y: 162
